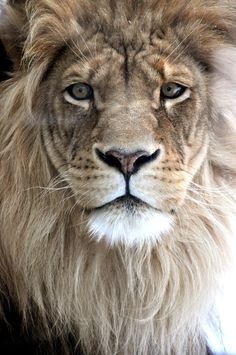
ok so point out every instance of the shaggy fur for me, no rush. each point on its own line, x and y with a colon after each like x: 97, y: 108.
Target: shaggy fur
x: 149, y: 299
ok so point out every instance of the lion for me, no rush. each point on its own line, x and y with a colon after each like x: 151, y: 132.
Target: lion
x: 118, y: 166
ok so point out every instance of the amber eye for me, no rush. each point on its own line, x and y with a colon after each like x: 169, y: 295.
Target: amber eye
x: 80, y: 91
x: 172, y: 90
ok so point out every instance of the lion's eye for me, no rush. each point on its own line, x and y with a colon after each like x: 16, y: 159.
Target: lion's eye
x: 80, y: 91
x: 172, y: 90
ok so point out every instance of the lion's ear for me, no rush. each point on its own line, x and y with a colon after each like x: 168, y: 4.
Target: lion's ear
x: 13, y: 30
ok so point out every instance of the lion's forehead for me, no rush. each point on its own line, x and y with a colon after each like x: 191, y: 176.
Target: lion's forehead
x: 98, y: 59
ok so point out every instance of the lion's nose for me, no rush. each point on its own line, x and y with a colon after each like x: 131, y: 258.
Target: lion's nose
x: 127, y: 163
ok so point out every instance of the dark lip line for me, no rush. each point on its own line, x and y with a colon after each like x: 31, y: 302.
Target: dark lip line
x: 123, y: 197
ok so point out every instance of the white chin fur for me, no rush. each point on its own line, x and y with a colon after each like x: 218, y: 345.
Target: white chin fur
x: 129, y: 229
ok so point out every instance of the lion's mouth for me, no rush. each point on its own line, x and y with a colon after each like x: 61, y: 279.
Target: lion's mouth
x: 127, y: 202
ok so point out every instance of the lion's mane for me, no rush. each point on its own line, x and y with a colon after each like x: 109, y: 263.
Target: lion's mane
x: 149, y: 300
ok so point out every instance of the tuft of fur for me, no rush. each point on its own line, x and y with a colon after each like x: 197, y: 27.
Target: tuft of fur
x: 120, y: 300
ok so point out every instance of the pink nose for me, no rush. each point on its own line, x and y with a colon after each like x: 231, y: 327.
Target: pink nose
x: 127, y: 163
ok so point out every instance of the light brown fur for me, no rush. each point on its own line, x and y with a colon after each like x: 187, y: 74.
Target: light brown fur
x: 149, y: 299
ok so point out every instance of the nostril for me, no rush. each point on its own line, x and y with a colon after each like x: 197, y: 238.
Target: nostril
x: 146, y: 159
x: 109, y: 159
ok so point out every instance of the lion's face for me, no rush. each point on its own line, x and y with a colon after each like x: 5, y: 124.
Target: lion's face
x: 126, y: 128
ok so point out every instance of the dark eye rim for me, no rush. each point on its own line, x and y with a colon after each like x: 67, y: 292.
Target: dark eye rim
x: 89, y: 96
x: 178, y: 94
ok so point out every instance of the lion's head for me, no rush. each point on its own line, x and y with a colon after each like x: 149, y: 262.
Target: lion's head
x: 118, y: 163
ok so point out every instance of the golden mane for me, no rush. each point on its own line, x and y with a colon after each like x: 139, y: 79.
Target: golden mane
x: 112, y: 301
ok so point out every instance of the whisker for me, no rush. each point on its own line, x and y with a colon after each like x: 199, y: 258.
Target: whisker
x: 218, y: 190
x: 81, y: 36
x: 198, y: 22
x: 208, y: 204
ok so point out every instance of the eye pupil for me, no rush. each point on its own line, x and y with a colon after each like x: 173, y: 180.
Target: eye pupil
x: 80, y: 91
x: 172, y: 90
